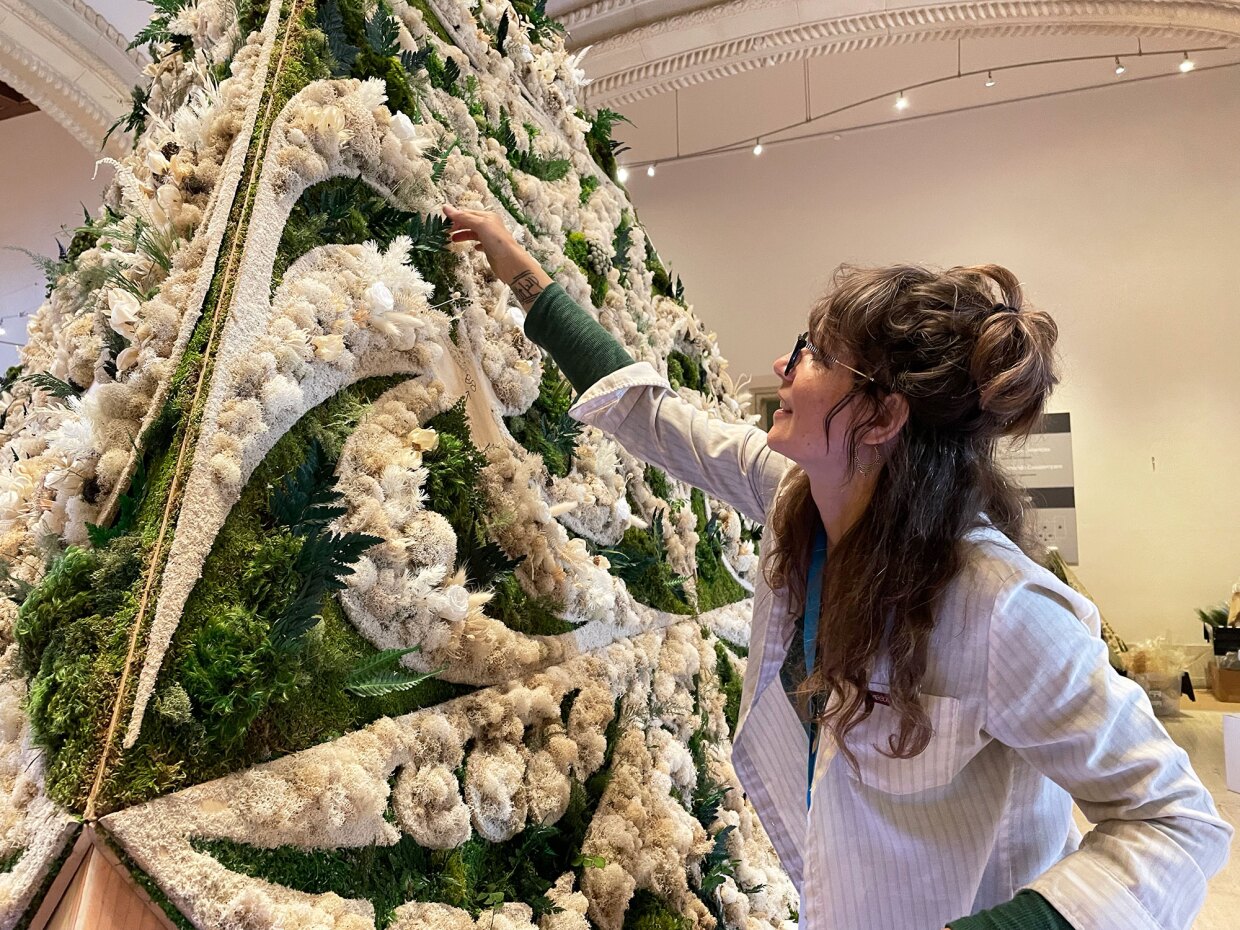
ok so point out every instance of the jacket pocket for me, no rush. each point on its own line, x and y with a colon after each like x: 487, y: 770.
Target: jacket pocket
x: 935, y: 767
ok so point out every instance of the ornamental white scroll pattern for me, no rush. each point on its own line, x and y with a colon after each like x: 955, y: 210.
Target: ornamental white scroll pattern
x: 1208, y: 21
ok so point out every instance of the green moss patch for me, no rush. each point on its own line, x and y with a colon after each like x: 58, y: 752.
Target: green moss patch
x: 640, y: 560
x: 9, y: 861
x: 658, y: 483
x: 546, y: 429
x: 577, y: 248
x: 513, y: 607
x: 648, y: 911
x: 683, y: 371
x: 73, y: 635
x: 715, y: 585
x: 247, y: 701
x: 730, y: 682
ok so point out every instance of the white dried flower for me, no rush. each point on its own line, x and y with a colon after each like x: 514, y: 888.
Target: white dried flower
x: 123, y: 310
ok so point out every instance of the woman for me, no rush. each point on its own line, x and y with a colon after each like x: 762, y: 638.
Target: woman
x: 957, y: 696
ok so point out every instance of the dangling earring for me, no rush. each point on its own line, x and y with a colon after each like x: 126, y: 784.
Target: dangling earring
x: 864, y: 468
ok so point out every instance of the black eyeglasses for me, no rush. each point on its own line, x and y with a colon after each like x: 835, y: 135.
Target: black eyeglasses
x: 804, y: 343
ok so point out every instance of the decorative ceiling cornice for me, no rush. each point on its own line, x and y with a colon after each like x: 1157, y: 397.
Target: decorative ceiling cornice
x: 1202, y: 21
x: 71, y: 63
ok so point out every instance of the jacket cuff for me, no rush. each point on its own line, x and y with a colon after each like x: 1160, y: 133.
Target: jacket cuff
x: 584, y: 351
x: 1027, y: 911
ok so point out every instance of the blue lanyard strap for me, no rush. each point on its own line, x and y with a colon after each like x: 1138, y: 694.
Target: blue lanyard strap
x: 809, y: 634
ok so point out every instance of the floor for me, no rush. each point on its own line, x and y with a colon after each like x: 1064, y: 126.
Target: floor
x: 1200, y: 732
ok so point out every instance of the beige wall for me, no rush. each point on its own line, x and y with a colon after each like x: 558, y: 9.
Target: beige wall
x: 45, y: 177
x: 1120, y: 211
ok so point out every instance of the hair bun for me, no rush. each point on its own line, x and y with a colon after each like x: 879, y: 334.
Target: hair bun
x: 1013, y: 364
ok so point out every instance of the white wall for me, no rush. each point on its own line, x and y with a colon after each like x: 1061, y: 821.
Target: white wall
x: 1119, y: 210
x: 45, y: 177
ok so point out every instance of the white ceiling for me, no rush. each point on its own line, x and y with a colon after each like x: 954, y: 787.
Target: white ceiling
x: 128, y: 16
x: 740, y: 108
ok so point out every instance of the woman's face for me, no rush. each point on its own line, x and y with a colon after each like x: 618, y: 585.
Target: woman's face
x: 807, y: 394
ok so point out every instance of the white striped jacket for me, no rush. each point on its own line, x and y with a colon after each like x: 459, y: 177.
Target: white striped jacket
x: 1027, y: 716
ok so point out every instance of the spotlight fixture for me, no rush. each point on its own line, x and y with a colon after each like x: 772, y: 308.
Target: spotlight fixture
x: 650, y: 172
x: 757, y: 148
x: 1187, y: 64
x: 622, y: 174
x: 990, y: 80
x: 837, y: 137
x: 901, y: 102
x: 1119, y: 66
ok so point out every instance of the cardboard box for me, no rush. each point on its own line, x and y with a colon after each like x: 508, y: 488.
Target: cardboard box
x: 1225, y: 683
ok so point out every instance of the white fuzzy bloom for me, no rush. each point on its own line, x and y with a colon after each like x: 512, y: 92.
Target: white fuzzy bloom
x: 379, y: 298
x: 452, y: 603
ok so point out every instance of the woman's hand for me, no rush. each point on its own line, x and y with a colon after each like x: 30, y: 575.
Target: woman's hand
x: 509, y: 261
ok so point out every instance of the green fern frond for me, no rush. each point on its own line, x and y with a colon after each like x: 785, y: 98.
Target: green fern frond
x: 429, y: 233
x: 306, y: 501
x: 441, y: 159
x: 50, y: 384
x: 501, y: 34
x: 382, y: 683
x: 413, y: 62
x: 380, y: 661
x: 13, y: 587
x: 332, y: 23
x: 382, y: 33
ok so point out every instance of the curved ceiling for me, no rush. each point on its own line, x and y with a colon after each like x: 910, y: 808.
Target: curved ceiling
x: 70, y: 62
x: 647, y: 47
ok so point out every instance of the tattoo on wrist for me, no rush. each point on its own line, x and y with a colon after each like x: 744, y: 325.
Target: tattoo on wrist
x: 526, y: 287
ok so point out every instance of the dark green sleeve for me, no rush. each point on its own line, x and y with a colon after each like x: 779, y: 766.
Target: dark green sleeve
x: 585, y: 352
x: 1027, y: 911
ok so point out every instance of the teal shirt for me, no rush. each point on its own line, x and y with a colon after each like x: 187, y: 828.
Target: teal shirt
x: 587, y: 353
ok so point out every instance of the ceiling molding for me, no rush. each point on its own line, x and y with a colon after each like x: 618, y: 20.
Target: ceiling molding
x: 71, y: 63
x: 626, y: 66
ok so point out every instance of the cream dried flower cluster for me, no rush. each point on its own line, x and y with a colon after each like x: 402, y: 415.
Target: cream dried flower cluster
x: 165, y: 276
x: 517, y: 753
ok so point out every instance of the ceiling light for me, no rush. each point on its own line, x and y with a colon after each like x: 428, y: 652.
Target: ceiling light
x: 1119, y: 66
x: 901, y: 102
x: 837, y: 137
x: 757, y: 149
x: 1187, y: 64
x: 990, y: 80
x: 650, y: 172
x: 622, y: 174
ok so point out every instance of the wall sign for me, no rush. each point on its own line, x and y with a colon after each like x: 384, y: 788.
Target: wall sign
x: 1042, y: 465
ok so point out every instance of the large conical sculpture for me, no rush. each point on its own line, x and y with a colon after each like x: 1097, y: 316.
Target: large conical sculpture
x: 319, y: 609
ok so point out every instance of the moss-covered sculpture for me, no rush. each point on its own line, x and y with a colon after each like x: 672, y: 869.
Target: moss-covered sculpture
x: 318, y: 607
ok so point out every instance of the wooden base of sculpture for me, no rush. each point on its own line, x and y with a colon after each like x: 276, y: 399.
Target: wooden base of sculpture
x: 94, y: 891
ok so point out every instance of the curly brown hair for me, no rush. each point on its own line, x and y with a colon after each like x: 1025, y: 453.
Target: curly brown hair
x: 974, y: 365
